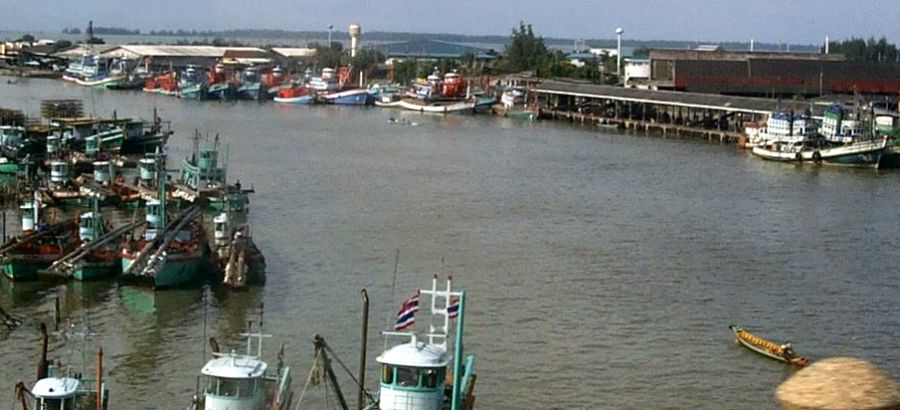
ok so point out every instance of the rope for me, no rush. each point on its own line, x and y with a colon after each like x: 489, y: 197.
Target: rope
x: 312, y: 373
x: 335, y: 357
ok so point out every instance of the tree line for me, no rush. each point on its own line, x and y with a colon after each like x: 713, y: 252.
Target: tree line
x: 872, y: 50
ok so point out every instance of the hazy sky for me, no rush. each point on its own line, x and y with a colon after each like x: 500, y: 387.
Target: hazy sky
x: 793, y: 21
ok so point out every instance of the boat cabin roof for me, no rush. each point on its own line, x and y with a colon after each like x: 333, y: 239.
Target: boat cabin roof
x: 55, y: 388
x: 415, y: 355
x: 235, y: 367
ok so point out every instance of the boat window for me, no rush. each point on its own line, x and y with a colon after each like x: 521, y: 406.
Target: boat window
x: 407, y: 377
x: 236, y: 387
x: 56, y: 404
x: 432, y: 377
x: 387, y: 374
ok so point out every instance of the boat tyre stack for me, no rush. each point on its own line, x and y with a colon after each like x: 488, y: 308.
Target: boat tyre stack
x: 817, y: 157
x: 799, y: 157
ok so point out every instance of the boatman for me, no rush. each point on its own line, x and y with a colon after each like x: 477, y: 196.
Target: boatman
x: 787, y: 350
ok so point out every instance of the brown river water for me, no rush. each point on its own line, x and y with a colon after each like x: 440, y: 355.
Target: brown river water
x: 602, y: 270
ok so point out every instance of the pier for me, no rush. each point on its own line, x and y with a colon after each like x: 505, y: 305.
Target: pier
x: 666, y: 113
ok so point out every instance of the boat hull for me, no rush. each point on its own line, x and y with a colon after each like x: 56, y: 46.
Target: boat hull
x: 303, y: 99
x: 24, y: 270
x: 177, y: 269
x: 100, y: 82
x: 352, y: 97
x: 764, y: 347
x: 94, y: 270
x: 221, y: 91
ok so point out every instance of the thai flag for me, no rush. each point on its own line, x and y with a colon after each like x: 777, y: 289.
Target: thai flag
x: 453, y: 309
x: 406, y: 317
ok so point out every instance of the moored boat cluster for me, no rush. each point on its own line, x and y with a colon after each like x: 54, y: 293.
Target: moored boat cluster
x: 447, y: 93
x: 107, y: 166
x: 841, y: 137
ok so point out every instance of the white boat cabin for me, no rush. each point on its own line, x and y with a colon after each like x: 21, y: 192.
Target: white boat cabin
x: 30, y: 215
x: 88, y: 226
x: 238, y: 381
x: 234, y: 382
x: 786, y: 126
x: 222, y: 230
x: 53, y: 393
x: 413, y: 376
x: 154, y: 223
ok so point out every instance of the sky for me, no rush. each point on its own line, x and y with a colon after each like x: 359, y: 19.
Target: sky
x: 770, y: 21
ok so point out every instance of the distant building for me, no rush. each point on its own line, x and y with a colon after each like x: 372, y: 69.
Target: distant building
x: 637, y: 72
x: 432, y: 51
x: 581, y: 58
x: 717, y: 71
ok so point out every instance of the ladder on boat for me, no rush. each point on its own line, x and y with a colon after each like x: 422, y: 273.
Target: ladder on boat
x: 145, y: 263
x: 65, y: 265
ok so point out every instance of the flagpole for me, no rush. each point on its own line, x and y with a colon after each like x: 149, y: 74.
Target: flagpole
x: 458, y: 351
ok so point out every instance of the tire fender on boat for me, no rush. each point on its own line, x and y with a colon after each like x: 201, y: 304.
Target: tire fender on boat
x: 817, y: 157
x: 799, y: 157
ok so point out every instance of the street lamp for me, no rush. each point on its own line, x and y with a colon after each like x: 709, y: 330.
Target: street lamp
x: 619, y: 33
x: 330, y: 26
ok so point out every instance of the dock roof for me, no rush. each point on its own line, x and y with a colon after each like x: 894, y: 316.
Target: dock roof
x: 180, y: 51
x: 675, y: 98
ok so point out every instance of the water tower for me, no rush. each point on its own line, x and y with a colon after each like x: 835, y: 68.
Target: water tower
x: 354, y: 39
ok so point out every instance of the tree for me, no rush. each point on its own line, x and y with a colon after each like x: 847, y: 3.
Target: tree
x: 405, y: 71
x: 524, y: 51
x: 28, y: 38
x: 328, y: 56
x: 367, y: 59
x: 857, y: 49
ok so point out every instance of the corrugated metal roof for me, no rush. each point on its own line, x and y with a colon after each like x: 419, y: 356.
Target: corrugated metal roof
x: 683, y: 99
x: 295, y: 52
x: 82, y: 49
x: 185, y: 51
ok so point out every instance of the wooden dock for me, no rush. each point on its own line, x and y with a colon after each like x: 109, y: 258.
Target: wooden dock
x: 669, y: 114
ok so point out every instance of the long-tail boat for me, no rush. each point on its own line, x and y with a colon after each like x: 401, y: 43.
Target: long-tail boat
x: 765, y: 347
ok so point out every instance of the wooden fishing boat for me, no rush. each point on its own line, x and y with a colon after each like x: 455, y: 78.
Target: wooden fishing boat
x: 765, y: 347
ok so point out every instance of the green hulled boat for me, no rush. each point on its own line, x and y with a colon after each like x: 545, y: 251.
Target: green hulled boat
x: 202, y: 178
x: 167, y: 254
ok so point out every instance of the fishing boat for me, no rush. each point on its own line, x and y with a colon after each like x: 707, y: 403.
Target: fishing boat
x: 60, y: 387
x: 243, y: 381
x: 274, y: 80
x: 357, y: 96
x: 220, y: 88
x: 325, y: 83
x: 37, y: 246
x: 163, y: 83
x: 99, y: 72
x: 192, y: 84
x: 251, y: 87
x: 12, y: 139
x: 237, y: 256
x: 96, y: 255
x: 765, y: 347
x: 295, y: 94
x: 513, y: 96
x: 840, y: 141
x: 418, y: 369
x: 782, y: 127
x: 167, y: 254
x: 468, y: 106
x: 202, y: 177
